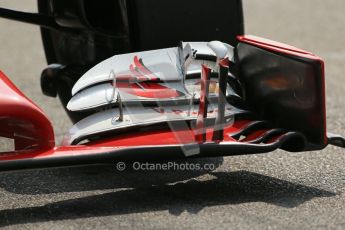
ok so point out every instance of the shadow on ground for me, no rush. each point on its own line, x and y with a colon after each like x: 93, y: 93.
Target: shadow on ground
x: 150, y: 192
x: 96, y: 177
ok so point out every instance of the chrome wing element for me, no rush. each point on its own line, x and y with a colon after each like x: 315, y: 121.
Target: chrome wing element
x: 148, y: 77
x: 107, y: 121
x: 148, y: 88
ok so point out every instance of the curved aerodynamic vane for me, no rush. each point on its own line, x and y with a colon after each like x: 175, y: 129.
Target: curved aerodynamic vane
x: 144, y: 83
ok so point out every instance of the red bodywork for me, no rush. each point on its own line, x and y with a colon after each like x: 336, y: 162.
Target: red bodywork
x: 22, y: 120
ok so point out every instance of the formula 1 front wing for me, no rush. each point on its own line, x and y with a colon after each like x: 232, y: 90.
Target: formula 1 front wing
x: 283, y: 106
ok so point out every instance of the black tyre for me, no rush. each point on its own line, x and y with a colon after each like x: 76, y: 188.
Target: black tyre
x: 120, y: 26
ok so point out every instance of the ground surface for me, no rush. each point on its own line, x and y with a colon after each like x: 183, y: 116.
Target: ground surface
x: 278, y: 190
